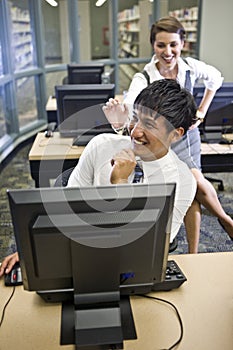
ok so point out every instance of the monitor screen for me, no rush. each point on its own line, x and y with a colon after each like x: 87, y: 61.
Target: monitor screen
x: 200, y: 87
x: 220, y: 112
x: 79, y: 108
x: 219, y: 118
x: 92, y: 245
x: 85, y: 73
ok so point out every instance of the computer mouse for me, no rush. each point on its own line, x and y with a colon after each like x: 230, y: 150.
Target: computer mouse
x: 48, y: 133
x: 14, y: 277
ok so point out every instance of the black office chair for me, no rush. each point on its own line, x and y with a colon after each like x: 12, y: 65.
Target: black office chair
x: 65, y: 81
x: 62, y: 179
x: 218, y: 181
x: 204, y: 139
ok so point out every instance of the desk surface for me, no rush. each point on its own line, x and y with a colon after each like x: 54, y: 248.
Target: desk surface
x: 57, y: 147
x: 205, y: 303
x: 216, y: 148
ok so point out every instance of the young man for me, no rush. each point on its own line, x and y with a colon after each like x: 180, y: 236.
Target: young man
x: 162, y: 113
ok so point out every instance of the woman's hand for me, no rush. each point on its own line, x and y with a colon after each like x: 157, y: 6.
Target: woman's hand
x: 116, y: 113
x: 200, y: 118
x: 8, y: 263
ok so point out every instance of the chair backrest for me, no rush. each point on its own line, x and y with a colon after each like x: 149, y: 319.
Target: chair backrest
x: 62, y: 179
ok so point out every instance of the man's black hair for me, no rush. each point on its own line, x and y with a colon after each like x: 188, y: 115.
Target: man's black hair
x: 170, y: 100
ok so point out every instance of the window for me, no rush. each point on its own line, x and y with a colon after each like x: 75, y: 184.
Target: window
x: 21, y: 35
x: 26, y: 101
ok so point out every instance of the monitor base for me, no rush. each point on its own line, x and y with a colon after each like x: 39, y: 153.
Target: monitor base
x: 125, y: 330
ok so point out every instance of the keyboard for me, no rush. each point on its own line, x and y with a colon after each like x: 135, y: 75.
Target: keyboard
x: 82, y: 140
x: 174, y: 278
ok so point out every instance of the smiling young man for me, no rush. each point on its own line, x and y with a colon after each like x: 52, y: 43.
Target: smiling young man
x: 162, y: 113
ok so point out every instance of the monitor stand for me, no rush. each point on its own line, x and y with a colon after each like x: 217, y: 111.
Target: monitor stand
x: 110, y: 332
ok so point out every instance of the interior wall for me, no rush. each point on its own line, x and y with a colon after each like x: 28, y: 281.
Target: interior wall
x: 216, y: 44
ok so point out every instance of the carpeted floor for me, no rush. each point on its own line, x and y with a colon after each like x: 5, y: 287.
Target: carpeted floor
x: 16, y: 174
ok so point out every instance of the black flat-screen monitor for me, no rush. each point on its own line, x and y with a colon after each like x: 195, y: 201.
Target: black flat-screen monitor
x: 91, y: 248
x: 85, y: 73
x: 219, y: 118
x: 79, y: 108
x: 200, y: 87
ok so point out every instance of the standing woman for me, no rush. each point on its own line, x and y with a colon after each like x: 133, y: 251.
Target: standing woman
x: 167, y: 39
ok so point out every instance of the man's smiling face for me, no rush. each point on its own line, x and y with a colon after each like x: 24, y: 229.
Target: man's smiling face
x: 150, y: 135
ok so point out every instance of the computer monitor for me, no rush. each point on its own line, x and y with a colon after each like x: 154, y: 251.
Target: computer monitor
x: 91, y: 248
x: 79, y: 108
x: 219, y: 118
x: 200, y: 87
x: 85, y: 73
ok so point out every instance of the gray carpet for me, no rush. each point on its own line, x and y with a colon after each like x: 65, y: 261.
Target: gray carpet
x: 16, y: 174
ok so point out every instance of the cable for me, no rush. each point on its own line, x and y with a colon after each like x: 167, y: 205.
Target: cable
x: 5, y: 306
x: 178, y: 316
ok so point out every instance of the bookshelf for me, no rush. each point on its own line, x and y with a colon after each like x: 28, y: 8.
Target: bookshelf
x: 21, y: 38
x: 133, y: 36
x: 189, y: 19
x: 128, y: 32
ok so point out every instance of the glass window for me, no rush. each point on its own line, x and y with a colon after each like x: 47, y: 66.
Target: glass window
x: 126, y: 73
x: 53, y: 79
x: 134, y: 24
x: 2, y: 114
x: 56, y: 33
x: 1, y: 67
x: 97, y: 29
x: 26, y: 101
x: 22, y: 43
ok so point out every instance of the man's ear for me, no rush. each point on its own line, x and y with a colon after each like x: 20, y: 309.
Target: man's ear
x: 177, y: 134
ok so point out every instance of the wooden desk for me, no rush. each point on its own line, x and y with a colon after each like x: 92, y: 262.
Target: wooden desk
x: 205, y: 303
x: 51, y: 109
x: 216, y: 158
x: 49, y: 157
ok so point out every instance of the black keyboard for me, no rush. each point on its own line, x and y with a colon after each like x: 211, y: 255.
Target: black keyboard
x: 83, y: 139
x: 174, y: 278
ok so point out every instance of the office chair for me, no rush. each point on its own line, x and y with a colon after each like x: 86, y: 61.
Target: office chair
x: 218, y: 181
x: 62, y: 179
x: 204, y: 139
x: 65, y: 81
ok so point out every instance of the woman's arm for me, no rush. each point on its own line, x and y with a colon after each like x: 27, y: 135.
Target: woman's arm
x: 203, y: 106
x: 206, y: 101
x: 118, y: 113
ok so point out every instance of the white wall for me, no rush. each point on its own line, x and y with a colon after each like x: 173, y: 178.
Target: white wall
x: 216, y: 42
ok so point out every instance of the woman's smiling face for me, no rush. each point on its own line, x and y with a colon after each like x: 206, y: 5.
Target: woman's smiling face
x: 167, y: 48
